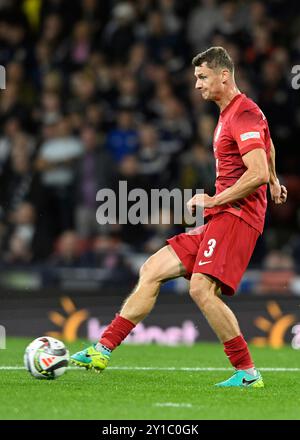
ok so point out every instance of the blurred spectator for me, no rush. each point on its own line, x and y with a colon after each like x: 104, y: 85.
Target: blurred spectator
x: 137, y: 60
x: 205, y: 129
x: 153, y: 163
x: 11, y: 104
x: 129, y: 178
x: 43, y: 62
x: 16, y: 181
x: 175, y: 128
x: 123, y: 139
x: 95, y: 13
x: 49, y: 109
x: 11, y: 127
x: 171, y: 16
x: 55, y: 162
x: 278, y: 273
x: 160, y: 230
x: 258, y: 16
x: 163, y: 93
x: 277, y: 102
x: 203, y: 19
x: 119, y: 35
x: 16, y: 40
x: 52, y: 35
x: 83, y: 86
x: 97, y: 115
x: 108, y: 252
x: 198, y: 169
x: 230, y: 23
x: 94, y: 172
x: 160, y: 40
x: 68, y: 251
x: 18, y: 252
x: 128, y: 93
x: 81, y: 44
x: 20, y: 235
x: 60, y: 8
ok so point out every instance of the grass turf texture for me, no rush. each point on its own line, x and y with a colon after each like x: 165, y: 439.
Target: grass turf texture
x: 141, y: 394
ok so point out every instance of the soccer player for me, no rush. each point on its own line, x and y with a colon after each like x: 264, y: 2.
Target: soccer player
x: 214, y: 256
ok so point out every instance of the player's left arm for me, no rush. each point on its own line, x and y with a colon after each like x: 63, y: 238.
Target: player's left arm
x: 256, y: 174
x: 278, y: 191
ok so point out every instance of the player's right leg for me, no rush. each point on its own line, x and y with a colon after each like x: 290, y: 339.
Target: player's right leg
x: 160, y: 267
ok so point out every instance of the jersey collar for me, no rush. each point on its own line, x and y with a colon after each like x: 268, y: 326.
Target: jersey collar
x: 230, y: 104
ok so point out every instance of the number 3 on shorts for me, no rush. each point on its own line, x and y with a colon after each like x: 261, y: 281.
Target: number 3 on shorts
x: 211, y: 247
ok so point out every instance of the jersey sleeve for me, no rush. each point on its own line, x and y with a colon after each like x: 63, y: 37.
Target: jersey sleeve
x: 248, y: 130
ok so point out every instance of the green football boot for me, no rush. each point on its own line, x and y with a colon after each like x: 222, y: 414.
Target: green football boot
x: 90, y: 358
x: 243, y: 379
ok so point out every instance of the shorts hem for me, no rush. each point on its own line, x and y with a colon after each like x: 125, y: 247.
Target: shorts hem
x: 178, y: 251
x: 226, y: 288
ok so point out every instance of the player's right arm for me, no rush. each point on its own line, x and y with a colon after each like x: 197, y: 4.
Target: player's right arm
x: 278, y: 192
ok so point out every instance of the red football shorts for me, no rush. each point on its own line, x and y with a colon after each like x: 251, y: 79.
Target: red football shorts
x: 222, y: 249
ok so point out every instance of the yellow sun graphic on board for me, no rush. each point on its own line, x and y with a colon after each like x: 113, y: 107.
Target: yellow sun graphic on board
x: 69, y: 324
x: 275, y: 330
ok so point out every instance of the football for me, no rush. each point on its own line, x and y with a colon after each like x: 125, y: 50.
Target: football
x: 46, y: 358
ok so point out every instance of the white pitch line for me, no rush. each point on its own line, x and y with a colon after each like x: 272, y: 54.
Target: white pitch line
x: 174, y: 405
x: 166, y: 368
x: 12, y: 368
x: 197, y: 369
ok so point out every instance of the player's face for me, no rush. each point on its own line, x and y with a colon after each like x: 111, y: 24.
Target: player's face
x: 209, y: 82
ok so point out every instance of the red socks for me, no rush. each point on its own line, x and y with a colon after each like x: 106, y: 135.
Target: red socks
x: 236, y: 349
x: 116, y: 332
x: 238, y: 353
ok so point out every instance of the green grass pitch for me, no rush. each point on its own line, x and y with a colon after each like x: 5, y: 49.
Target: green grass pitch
x: 169, y: 387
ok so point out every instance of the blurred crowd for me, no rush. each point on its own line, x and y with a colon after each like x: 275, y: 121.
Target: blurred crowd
x: 102, y: 91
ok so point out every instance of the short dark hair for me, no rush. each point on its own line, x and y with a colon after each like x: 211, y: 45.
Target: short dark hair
x: 215, y: 57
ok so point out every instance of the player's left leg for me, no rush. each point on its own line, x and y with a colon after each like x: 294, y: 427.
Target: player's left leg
x: 163, y: 265
x: 204, y: 291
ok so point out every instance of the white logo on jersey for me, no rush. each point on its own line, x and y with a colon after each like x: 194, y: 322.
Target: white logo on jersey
x: 206, y: 262
x: 218, y: 131
x: 250, y: 135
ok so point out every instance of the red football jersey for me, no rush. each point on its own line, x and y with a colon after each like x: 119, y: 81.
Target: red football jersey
x: 242, y: 127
